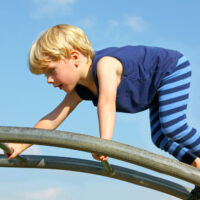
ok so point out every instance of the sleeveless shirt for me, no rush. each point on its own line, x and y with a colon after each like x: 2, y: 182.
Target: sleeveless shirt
x: 143, y: 70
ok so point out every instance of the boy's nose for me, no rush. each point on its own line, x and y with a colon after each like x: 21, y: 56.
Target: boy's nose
x: 50, y: 80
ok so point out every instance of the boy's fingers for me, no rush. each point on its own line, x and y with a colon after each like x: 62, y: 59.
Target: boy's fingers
x: 99, y: 157
x: 105, y: 158
x: 13, y: 155
x: 102, y: 157
x: 9, y: 154
x: 95, y: 156
x: 6, y: 154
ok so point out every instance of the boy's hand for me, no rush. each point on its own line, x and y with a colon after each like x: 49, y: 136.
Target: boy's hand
x: 16, y: 149
x: 99, y: 157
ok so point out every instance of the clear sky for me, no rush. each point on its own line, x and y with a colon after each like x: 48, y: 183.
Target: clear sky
x: 25, y: 98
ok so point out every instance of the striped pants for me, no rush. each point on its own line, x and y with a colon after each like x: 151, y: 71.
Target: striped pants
x: 169, y: 128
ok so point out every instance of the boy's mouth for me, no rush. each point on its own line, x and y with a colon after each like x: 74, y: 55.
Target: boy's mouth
x: 60, y: 86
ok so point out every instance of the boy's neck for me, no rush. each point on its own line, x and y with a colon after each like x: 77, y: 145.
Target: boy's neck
x: 87, y: 78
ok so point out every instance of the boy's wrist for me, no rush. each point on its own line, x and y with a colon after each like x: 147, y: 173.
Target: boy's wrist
x: 106, y: 138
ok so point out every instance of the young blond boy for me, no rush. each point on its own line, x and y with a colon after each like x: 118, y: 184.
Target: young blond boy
x: 64, y: 54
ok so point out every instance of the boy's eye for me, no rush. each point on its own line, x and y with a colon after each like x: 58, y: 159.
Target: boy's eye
x: 51, y: 71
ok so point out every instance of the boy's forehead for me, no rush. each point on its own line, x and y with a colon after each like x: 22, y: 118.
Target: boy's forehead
x: 50, y: 65
x: 53, y: 63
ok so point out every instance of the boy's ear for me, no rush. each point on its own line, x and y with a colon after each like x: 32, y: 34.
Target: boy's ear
x: 75, y: 56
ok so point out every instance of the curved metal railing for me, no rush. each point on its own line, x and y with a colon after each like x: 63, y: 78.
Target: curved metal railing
x: 110, y: 148
x: 92, y: 167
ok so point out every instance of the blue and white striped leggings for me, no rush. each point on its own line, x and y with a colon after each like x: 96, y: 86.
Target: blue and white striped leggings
x: 169, y: 128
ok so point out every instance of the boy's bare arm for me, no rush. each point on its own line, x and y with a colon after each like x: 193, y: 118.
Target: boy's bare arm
x: 109, y: 80
x: 50, y: 121
x: 60, y: 113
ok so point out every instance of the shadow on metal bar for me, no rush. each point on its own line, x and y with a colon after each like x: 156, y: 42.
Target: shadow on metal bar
x: 110, y: 148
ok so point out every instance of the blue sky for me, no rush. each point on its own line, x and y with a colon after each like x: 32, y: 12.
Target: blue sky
x: 25, y: 98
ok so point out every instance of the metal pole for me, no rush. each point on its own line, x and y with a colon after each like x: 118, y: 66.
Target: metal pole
x: 107, y: 166
x: 93, y: 167
x: 99, y: 146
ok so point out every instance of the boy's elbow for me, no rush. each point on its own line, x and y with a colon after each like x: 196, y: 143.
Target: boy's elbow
x: 107, y: 101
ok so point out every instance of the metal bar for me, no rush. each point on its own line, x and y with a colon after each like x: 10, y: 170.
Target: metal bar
x: 93, y: 167
x: 99, y: 146
x: 107, y: 166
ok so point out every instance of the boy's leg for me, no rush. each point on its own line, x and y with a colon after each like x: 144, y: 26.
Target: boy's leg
x: 156, y: 132
x: 159, y: 139
x: 172, y: 99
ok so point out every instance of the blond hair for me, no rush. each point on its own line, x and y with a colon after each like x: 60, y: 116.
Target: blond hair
x: 55, y: 44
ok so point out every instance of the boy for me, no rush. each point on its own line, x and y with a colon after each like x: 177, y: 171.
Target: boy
x: 127, y: 79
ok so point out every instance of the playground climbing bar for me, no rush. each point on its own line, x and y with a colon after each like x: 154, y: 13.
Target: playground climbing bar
x: 112, y: 149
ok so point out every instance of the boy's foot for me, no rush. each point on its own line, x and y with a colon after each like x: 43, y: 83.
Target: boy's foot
x: 195, y: 194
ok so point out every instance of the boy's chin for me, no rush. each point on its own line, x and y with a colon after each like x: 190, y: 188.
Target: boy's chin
x: 67, y: 89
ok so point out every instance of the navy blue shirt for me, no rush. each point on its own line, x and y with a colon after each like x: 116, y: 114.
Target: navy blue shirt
x: 143, y: 69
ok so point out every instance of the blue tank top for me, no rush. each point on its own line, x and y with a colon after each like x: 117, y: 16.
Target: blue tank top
x: 143, y: 69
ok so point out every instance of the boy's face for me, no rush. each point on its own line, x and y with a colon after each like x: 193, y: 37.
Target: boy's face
x: 62, y: 74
